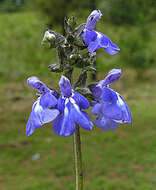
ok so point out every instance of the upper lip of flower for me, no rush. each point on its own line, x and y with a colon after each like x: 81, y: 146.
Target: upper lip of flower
x: 96, y: 14
x: 65, y: 86
x: 92, y: 19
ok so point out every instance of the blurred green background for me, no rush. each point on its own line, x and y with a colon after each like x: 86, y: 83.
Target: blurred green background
x: 124, y: 159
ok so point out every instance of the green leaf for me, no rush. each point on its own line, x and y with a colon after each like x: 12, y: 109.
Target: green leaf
x: 55, y: 68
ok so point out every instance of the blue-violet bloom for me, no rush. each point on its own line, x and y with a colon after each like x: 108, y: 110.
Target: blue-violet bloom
x: 94, y: 39
x: 41, y: 109
x: 110, y: 107
x: 70, y: 104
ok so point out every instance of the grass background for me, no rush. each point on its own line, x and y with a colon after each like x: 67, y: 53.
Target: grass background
x: 124, y: 159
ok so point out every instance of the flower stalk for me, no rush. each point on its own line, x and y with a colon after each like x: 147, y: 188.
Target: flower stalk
x: 67, y: 107
x: 78, y: 159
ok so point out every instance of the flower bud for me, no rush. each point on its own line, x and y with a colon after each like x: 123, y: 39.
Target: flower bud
x: 48, y: 37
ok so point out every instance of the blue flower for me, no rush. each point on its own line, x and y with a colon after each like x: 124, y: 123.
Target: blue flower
x: 41, y: 112
x: 110, y: 107
x: 70, y: 104
x: 94, y: 39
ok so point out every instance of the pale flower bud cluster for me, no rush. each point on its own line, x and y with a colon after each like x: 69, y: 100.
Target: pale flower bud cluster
x: 48, y: 37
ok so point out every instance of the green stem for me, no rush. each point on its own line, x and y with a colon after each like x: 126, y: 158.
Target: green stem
x: 61, y: 57
x: 78, y: 159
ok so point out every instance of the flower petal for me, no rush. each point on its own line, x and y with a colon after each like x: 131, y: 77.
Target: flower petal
x: 88, y: 36
x: 126, y: 114
x: 111, y: 51
x: 29, y: 127
x: 65, y: 86
x: 81, y: 101
x: 32, y: 124
x: 113, y: 76
x: 103, y: 40
x: 92, y: 19
x: 96, y: 91
x: 48, y: 100
x: 39, y: 116
x: 99, y: 40
x: 37, y: 84
x: 107, y: 44
x: 97, y: 109
x: 43, y: 114
x: 114, y: 106
x: 49, y: 115
x: 80, y: 117
x: 93, y: 46
x: 109, y: 96
x: 55, y: 93
x: 105, y: 123
x: 88, y: 126
x: 64, y: 125
x: 61, y: 103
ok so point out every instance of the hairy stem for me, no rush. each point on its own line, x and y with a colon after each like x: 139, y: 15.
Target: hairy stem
x: 78, y: 159
x: 61, y: 57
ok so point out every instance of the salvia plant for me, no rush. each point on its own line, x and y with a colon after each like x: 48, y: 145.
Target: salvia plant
x: 67, y: 107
